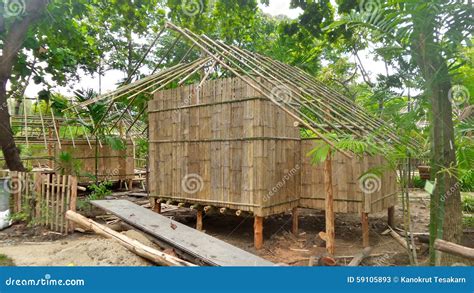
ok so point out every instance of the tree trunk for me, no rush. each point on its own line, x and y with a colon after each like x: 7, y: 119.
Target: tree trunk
x: 445, y: 208
x: 12, y: 44
x: 10, y: 152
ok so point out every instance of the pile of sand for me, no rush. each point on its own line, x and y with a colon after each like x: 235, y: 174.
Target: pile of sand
x: 82, y: 251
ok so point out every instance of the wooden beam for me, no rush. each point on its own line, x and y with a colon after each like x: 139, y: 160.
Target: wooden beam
x: 454, y: 248
x: 258, y: 232
x: 364, y: 219
x: 133, y: 245
x: 294, y: 226
x: 329, y: 206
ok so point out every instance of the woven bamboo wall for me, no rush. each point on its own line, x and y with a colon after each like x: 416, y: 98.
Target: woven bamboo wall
x: 347, y: 174
x: 113, y: 164
x: 233, y: 145
x: 226, y: 146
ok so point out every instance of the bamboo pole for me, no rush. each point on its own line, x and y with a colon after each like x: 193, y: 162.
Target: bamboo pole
x: 453, y: 248
x: 358, y: 258
x: 277, y: 76
x: 258, y: 89
x: 133, y: 245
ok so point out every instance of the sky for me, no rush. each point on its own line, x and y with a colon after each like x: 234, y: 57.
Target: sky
x: 111, y: 78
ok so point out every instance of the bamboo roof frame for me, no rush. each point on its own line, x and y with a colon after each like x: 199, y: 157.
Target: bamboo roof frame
x: 313, y: 105
x: 27, y: 123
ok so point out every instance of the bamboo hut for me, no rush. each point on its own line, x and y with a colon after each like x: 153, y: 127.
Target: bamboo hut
x: 224, y: 131
x: 44, y: 136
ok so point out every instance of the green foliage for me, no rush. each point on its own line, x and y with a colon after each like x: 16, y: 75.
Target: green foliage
x: 19, y: 216
x: 319, y: 153
x: 66, y: 164
x: 468, y: 203
x: 98, y: 191
x: 418, y: 182
x: 5, y: 261
x: 141, y: 150
x: 468, y: 221
x: 115, y: 142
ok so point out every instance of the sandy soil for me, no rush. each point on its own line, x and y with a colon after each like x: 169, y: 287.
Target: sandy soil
x: 80, y: 251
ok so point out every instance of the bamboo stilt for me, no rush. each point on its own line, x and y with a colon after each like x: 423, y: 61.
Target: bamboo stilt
x: 294, y: 226
x: 365, y: 229
x: 258, y: 232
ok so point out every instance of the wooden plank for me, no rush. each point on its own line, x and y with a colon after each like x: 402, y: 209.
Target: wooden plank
x: 211, y: 250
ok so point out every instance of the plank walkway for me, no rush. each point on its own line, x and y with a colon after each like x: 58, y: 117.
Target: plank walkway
x: 201, y: 245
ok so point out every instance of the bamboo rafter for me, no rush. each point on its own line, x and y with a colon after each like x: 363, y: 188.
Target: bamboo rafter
x: 309, y: 101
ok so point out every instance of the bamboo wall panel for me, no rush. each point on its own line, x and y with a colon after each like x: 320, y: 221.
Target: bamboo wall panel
x: 112, y: 164
x: 238, y: 150
x: 347, y: 173
x: 239, y: 145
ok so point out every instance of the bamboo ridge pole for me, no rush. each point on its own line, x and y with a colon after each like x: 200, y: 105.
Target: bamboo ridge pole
x: 133, y: 245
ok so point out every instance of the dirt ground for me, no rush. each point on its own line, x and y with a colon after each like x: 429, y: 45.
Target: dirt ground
x: 39, y: 247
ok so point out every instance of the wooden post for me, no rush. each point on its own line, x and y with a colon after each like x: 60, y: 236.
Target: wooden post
x: 157, y: 206
x: 199, y: 220
x: 294, y: 227
x: 258, y: 232
x: 365, y: 229
x: 329, y: 205
x: 73, y: 199
x: 15, y: 191
x: 391, y: 216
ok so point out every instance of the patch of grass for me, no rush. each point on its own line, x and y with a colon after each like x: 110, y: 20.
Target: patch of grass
x: 468, y: 203
x: 5, y: 261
